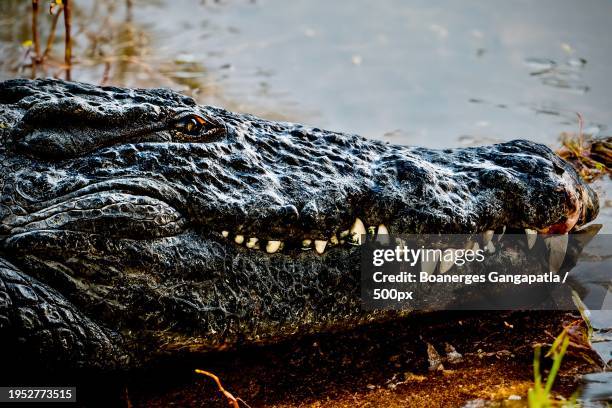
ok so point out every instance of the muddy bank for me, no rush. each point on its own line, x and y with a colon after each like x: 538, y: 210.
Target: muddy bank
x: 380, y: 365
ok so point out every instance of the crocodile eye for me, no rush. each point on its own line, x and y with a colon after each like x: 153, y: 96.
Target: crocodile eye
x: 194, y: 128
x: 191, y: 125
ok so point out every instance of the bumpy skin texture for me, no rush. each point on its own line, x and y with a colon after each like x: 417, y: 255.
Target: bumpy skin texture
x: 35, y: 321
x: 112, y: 203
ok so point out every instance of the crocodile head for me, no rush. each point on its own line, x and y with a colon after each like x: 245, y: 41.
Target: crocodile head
x: 198, y: 226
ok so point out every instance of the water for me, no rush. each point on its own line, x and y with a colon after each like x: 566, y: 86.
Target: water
x: 443, y: 75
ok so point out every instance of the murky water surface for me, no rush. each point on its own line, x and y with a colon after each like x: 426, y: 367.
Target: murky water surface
x: 435, y: 74
x: 452, y: 74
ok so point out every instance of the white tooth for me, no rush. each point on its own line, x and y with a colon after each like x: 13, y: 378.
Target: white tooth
x: 225, y: 233
x: 333, y: 240
x: 532, y: 236
x: 429, y: 265
x: 557, y: 245
x: 239, y: 239
x: 445, y: 266
x: 490, y: 248
x: 320, y: 246
x: 272, y: 246
x: 499, y: 237
x: 476, y: 247
x: 251, y: 242
x: 357, y: 230
x: 487, y: 236
x: 358, y: 227
x: 469, y: 244
x: 383, y: 234
x: 584, y: 235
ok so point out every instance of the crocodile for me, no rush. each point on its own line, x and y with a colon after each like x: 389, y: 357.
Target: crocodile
x: 137, y: 224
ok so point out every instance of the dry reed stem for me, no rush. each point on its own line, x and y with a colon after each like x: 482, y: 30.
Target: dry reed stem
x: 231, y: 400
x: 51, y: 37
x: 68, y: 39
x: 35, y: 39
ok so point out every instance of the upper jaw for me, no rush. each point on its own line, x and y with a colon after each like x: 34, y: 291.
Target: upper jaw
x: 516, y: 185
x: 314, y: 185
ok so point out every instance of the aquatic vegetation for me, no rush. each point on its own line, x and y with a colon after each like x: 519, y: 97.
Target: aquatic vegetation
x: 590, y: 156
x: 541, y: 394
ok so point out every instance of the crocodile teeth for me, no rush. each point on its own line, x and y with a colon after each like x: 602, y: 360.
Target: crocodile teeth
x: 357, y: 230
x: 445, y: 266
x: 557, y: 246
x: 502, y: 234
x: 273, y: 246
x: 429, y: 266
x: 320, y: 246
x: 333, y: 240
x: 224, y: 234
x: 306, y: 245
x: 487, y: 236
x: 383, y: 234
x: 239, y: 239
x: 532, y: 236
x: 251, y: 242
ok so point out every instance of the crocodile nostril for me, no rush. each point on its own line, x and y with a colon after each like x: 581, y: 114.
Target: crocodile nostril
x: 558, y: 169
x: 289, y: 212
x: 574, y: 208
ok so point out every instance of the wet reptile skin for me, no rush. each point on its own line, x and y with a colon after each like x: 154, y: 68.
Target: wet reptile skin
x: 112, y: 203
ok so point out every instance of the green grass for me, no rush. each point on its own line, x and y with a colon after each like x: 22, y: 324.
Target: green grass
x: 540, y: 395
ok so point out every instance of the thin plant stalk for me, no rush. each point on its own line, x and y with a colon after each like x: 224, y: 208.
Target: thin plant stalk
x: 51, y: 37
x: 35, y: 39
x: 231, y: 400
x: 540, y: 395
x: 68, y: 40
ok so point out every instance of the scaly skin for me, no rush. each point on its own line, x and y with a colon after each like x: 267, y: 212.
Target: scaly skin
x: 114, y: 202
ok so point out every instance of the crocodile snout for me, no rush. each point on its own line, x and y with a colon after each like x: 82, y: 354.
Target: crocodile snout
x: 581, y: 202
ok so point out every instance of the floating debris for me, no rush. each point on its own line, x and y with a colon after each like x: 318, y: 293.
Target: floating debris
x: 591, y: 157
x: 539, y: 65
x: 562, y: 75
